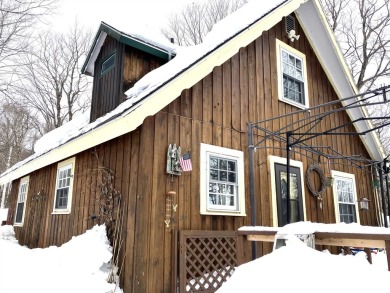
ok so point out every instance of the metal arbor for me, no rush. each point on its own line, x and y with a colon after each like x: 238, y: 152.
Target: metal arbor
x: 299, y: 133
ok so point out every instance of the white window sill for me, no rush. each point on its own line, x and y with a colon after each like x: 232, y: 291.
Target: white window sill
x: 224, y: 213
x: 65, y: 212
x: 287, y: 101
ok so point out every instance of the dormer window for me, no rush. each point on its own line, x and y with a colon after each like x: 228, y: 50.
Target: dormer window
x: 108, y: 64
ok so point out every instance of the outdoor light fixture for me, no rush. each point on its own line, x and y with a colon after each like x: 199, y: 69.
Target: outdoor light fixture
x: 386, y: 166
x: 364, y: 204
x: 292, y: 36
x: 329, y: 180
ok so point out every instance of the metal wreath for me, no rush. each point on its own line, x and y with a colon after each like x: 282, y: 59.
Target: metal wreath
x: 316, y: 168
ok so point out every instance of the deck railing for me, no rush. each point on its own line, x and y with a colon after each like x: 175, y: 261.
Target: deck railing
x: 344, y: 239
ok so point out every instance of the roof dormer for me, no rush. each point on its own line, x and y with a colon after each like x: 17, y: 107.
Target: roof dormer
x: 117, y: 60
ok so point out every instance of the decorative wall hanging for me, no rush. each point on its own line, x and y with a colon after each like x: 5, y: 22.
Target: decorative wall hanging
x: 318, y: 170
x: 173, y: 156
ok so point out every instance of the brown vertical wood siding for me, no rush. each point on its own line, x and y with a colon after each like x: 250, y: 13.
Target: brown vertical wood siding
x: 215, y: 111
x: 107, y: 87
x: 130, y: 65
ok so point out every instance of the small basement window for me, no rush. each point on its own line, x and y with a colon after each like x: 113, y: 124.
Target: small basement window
x: 292, y: 77
x: 108, y: 64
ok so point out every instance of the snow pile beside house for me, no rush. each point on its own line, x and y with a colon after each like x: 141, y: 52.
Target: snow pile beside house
x: 298, y: 268
x: 3, y: 214
x: 7, y: 233
x: 81, y: 265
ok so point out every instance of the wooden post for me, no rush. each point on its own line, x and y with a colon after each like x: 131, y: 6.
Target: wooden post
x: 240, y: 251
x: 387, y: 247
x: 369, y: 257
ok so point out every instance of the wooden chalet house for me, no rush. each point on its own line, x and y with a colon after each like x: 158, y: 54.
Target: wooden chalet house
x: 269, y: 59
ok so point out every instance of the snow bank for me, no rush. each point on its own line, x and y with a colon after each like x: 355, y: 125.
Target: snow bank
x: 7, y: 233
x: 298, y: 268
x: 3, y: 214
x: 77, y: 266
x: 309, y: 227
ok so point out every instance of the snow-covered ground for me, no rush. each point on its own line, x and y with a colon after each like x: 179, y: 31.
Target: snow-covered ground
x: 298, y: 268
x: 81, y: 265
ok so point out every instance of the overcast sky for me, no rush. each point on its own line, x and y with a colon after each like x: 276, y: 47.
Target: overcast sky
x: 125, y: 13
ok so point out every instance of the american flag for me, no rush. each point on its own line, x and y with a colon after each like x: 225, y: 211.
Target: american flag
x: 185, y: 162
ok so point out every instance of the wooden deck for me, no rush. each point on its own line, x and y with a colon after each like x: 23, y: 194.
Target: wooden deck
x: 345, y: 239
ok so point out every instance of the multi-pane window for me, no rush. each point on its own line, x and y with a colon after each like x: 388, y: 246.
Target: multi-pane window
x: 223, y: 187
x: 21, y: 203
x: 64, y: 185
x: 222, y: 181
x: 293, y: 82
x: 345, y: 197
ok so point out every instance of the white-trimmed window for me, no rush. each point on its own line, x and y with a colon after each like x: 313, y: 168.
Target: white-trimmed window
x: 278, y: 170
x: 344, y: 192
x: 21, y: 203
x: 221, y: 181
x: 64, y: 187
x: 292, y: 77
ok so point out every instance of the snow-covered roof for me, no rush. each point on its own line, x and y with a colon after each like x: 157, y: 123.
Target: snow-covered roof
x: 163, y: 85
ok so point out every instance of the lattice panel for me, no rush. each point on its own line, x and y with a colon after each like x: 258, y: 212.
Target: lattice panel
x: 207, y: 260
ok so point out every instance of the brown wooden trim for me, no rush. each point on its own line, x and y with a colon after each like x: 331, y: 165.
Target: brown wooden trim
x: 387, y: 246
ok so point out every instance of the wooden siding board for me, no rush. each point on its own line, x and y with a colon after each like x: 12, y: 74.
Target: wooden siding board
x: 227, y: 94
x: 217, y: 95
x: 197, y: 105
x: 129, y: 268
x: 207, y: 99
x: 158, y: 230
x: 267, y: 217
x: 217, y: 221
x: 207, y: 138
x: 236, y: 103
x: 244, y: 88
x: 144, y: 190
x: 185, y: 178
x: 172, y: 184
x: 186, y: 103
x: 195, y: 217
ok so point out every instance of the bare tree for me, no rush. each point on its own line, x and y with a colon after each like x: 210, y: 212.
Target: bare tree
x: 334, y: 11
x: 190, y: 25
x: 51, y: 81
x: 17, y: 134
x: 17, y: 17
x: 362, y: 28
